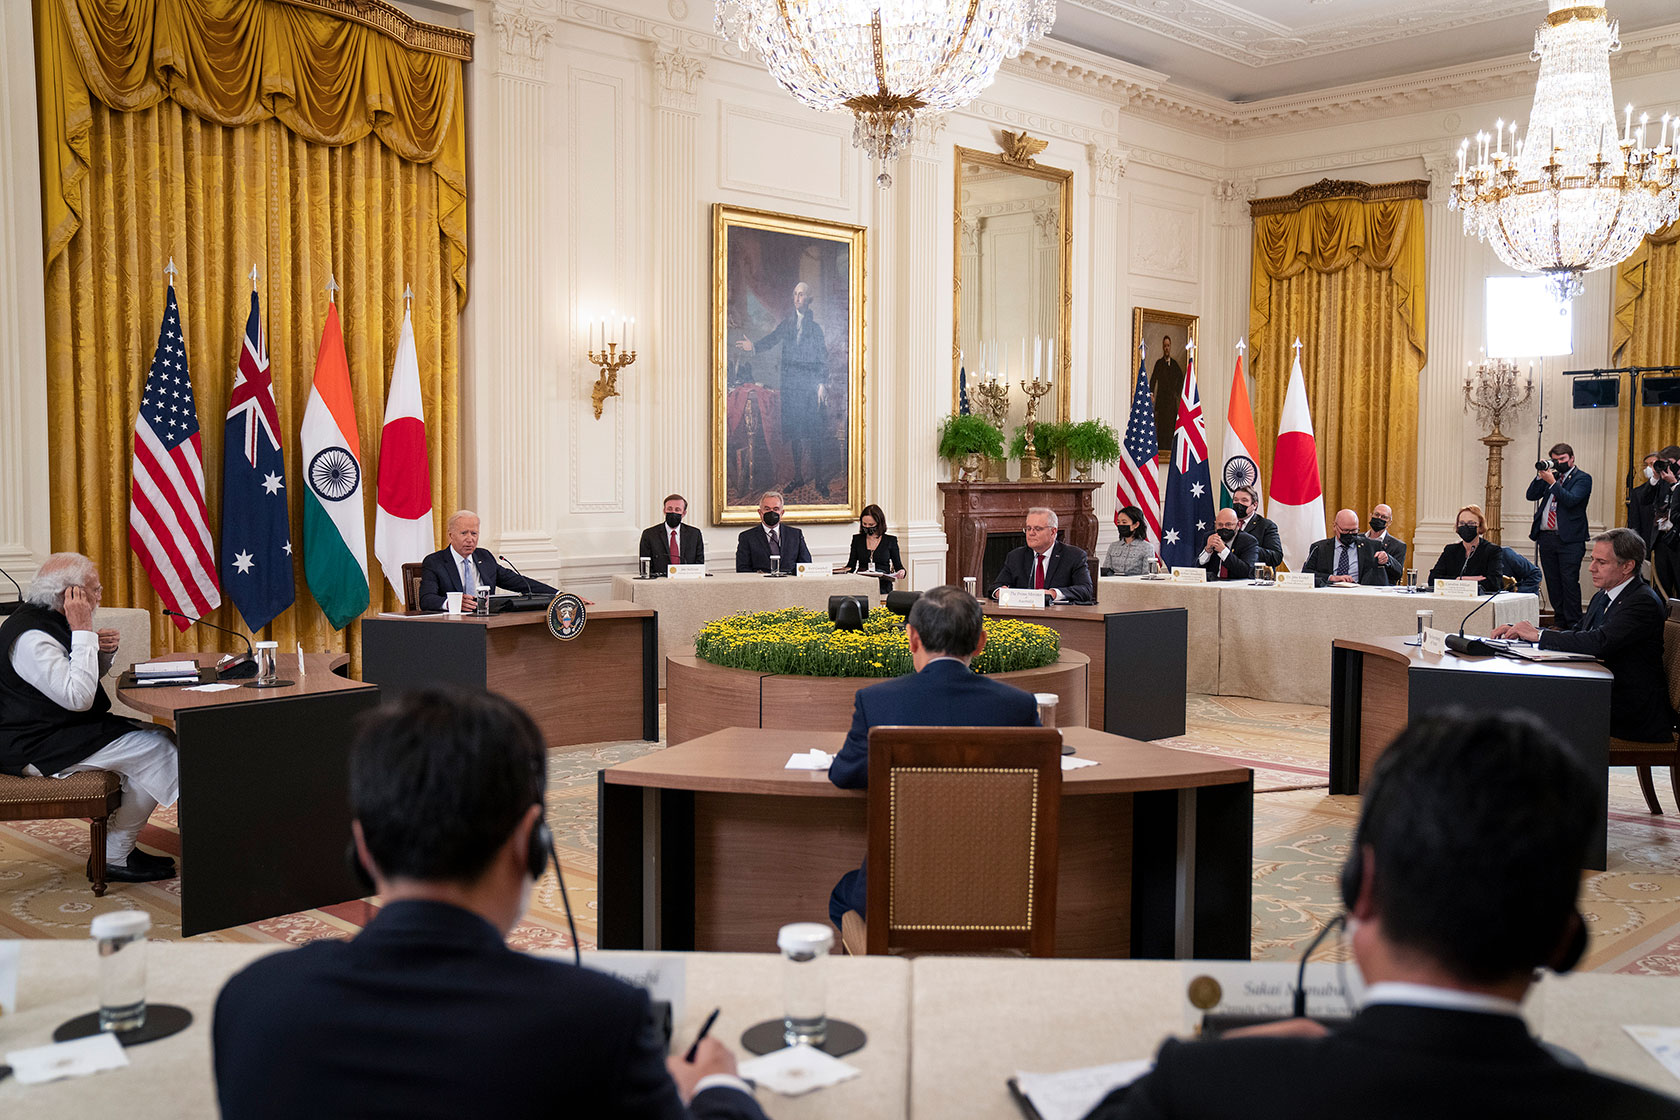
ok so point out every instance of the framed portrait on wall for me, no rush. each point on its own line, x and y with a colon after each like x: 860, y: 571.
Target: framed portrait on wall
x: 1164, y: 338
x: 787, y: 365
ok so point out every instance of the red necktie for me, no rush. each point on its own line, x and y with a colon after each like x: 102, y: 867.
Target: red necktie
x: 1038, y: 580
x: 676, y: 554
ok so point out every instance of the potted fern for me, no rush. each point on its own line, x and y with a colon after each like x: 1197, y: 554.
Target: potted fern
x: 1090, y: 443
x: 968, y: 440
x: 1041, y: 453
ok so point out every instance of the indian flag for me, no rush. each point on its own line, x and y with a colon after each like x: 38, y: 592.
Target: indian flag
x: 1242, y: 449
x: 334, y: 523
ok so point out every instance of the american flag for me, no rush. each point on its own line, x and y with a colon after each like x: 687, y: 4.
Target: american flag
x: 167, y: 526
x: 1140, y: 478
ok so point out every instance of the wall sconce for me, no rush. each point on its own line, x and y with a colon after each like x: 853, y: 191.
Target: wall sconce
x: 611, y: 350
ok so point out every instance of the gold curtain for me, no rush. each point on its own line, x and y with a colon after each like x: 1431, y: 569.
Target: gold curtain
x: 1645, y: 331
x: 1345, y: 275
x: 222, y: 134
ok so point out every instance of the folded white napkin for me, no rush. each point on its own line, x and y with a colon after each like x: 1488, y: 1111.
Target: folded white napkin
x: 813, y: 759
x: 796, y: 1070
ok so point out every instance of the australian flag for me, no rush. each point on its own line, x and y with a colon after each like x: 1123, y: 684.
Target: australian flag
x: 1187, y: 509
x: 256, y: 531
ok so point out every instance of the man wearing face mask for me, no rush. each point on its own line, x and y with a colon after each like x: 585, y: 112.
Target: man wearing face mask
x: 1391, y: 551
x: 1230, y: 554
x: 673, y: 542
x: 1642, y: 502
x: 1245, y: 501
x: 1665, y: 534
x: 1348, y: 557
x: 770, y: 538
x: 1560, y: 529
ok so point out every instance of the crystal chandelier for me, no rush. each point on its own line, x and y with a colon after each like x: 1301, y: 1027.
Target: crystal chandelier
x: 1574, y: 194
x: 885, y: 60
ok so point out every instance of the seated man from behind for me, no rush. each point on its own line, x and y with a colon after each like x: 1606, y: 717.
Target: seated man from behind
x: 1347, y: 557
x: 465, y: 567
x: 1521, y: 569
x: 1462, y: 881
x: 946, y: 629
x: 427, y: 1012
x: 1229, y: 553
x: 1623, y: 628
x: 55, y: 716
x: 1045, y: 562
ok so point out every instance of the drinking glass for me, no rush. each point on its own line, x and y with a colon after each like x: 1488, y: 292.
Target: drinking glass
x: 804, y: 946
x: 121, y: 935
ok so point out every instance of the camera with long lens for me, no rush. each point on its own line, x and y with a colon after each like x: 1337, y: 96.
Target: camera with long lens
x: 1665, y: 466
x: 1548, y: 465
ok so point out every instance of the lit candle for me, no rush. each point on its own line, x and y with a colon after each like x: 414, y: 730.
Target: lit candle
x: 1499, y: 132
x: 1049, y: 360
x: 1038, y: 356
x: 632, y: 332
x: 1461, y: 148
x: 1023, y: 355
x: 1627, y: 123
x: 1644, y: 118
x: 589, y: 329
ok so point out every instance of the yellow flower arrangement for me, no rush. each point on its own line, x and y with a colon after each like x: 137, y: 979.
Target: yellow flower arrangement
x: 805, y: 642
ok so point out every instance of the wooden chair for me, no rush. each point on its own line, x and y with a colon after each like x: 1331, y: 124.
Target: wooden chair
x: 963, y: 841
x: 94, y: 794
x: 1624, y: 752
x: 411, y: 585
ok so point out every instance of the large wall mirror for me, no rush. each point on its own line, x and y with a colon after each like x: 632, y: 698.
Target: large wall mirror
x: 1013, y: 305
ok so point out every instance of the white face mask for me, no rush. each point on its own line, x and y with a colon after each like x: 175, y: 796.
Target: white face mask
x: 1650, y: 475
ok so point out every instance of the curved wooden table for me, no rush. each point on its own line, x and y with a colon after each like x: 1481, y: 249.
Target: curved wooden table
x: 713, y: 845
x: 321, y: 674
x: 701, y: 698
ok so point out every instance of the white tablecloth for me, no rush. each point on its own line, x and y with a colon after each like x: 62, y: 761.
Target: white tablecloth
x: 686, y: 605
x: 1273, y: 643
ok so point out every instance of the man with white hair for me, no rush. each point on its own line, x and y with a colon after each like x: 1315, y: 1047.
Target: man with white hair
x: 465, y: 567
x: 1047, y: 563
x: 55, y: 717
x: 804, y: 391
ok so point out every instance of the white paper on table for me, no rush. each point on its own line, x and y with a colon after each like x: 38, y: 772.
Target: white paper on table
x: 9, y: 952
x: 164, y: 668
x: 1072, y: 1093
x: 220, y: 686
x: 813, y: 759
x: 797, y: 1070
x: 76, y: 1058
x: 1662, y: 1043
x: 1073, y: 762
x: 663, y: 976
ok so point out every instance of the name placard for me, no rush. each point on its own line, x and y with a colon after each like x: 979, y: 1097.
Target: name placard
x: 1189, y: 575
x: 1458, y: 588
x: 1266, y: 989
x: 813, y: 570
x: 1297, y: 579
x: 1434, y: 641
x: 688, y: 571
x: 1030, y: 598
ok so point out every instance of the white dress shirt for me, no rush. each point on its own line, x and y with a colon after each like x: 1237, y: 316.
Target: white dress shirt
x: 1447, y: 999
x: 69, y: 678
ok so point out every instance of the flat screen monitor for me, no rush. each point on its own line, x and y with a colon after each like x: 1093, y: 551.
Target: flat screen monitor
x: 1597, y: 392
x: 1658, y: 392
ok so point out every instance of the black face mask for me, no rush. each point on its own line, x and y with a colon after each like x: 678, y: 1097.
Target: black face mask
x: 1240, y: 510
x: 869, y: 530
x: 1127, y: 532
x: 1468, y: 533
x: 1378, y: 525
x: 1347, y: 538
x: 772, y: 519
x: 672, y: 520
x: 1228, y: 535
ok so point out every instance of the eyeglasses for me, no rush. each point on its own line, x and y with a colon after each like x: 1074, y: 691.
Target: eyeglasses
x: 1038, y: 529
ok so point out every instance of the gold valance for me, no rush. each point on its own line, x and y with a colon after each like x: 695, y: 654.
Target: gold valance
x: 1326, y: 189
x: 329, y: 78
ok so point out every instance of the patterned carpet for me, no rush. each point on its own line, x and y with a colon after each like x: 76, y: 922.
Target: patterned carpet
x: 1301, y: 837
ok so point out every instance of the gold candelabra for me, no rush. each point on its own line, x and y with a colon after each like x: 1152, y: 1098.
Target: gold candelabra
x: 1494, y: 391
x: 611, y: 360
x: 1034, y: 389
x: 993, y: 394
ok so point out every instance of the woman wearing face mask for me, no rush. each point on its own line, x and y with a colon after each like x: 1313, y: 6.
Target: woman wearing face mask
x: 1475, y: 557
x: 1130, y: 555
x: 874, y: 549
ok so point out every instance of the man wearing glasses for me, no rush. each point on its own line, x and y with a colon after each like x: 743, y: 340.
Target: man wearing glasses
x: 1047, y: 563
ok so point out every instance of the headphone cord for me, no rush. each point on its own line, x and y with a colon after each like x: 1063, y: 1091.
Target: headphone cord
x: 554, y: 857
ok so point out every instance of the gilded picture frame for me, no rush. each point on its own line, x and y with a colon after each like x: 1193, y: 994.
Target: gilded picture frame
x: 788, y: 371
x: 1149, y: 328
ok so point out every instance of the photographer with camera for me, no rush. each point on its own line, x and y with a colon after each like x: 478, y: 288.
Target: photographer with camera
x: 1561, y: 490
x: 1665, y: 525
x: 1642, y: 502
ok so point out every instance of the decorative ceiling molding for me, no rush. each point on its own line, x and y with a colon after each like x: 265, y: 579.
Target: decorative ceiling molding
x: 1326, y: 189
x: 391, y: 21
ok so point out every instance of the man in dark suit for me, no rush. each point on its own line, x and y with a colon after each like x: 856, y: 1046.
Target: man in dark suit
x: 1390, y: 550
x: 1046, y: 562
x: 1623, y: 628
x: 1447, y: 946
x: 770, y: 537
x: 1521, y: 569
x: 451, y: 568
x: 1560, y: 529
x: 673, y: 542
x: 1245, y: 501
x: 1228, y: 553
x: 1642, y: 502
x: 427, y: 1012
x: 1347, y: 557
x: 945, y: 630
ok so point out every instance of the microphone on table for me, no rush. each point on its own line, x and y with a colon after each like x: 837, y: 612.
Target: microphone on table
x: 517, y: 572
x: 231, y: 667
x: 8, y: 608
x: 1215, y: 1024
x: 1458, y: 643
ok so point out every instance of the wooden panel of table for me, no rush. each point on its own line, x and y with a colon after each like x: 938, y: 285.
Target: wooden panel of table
x: 598, y: 687
x: 1200, y: 602
x: 1379, y: 684
x: 714, y: 845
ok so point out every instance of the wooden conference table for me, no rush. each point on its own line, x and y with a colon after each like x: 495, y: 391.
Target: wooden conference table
x: 599, y: 687
x: 265, y: 776
x: 944, y: 1032
x: 685, y: 605
x: 713, y: 845
x: 1273, y: 642
x: 1136, y: 686
x: 1382, y: 683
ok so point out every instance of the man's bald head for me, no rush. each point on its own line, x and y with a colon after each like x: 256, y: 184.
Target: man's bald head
x: 1347, y: 521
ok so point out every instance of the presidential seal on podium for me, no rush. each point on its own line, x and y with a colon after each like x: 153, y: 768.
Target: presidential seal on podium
x: 566, y: 616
